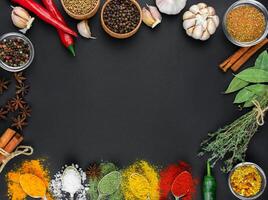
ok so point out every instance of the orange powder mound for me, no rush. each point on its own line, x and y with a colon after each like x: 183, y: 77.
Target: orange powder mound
x: 35, y: 167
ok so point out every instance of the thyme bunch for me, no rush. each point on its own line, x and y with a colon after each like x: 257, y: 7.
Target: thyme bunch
x: 231, y: 142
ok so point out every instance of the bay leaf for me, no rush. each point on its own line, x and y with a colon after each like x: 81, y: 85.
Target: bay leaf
x: 262, y: 61
x: 249, y: 103
x: 253, y: 75
x: 235, y: 85
x: 243, y: 95
x: 249, y: 92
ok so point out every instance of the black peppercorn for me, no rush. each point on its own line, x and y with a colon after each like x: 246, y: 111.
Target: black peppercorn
x: 121, y: 16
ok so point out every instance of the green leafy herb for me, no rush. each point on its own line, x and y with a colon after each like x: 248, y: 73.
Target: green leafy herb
x: 250, y: 92
x: 236, y: 84
x: 231, y: 142
x: 262, y: 61
x: 253, y: 75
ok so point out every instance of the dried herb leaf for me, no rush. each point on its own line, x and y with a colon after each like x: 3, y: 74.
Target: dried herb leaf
x: 262, y: 61
x: 249, y: 92
x: 253, y: 75
x: 243, y: 96
x: 235, y: 85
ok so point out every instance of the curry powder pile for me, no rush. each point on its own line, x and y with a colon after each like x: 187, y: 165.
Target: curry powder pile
x: 146, y: 170
x: 34, y: 167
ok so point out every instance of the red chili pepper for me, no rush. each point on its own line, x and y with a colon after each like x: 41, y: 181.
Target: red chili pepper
x: 65, y: 38
x: 43, y: 14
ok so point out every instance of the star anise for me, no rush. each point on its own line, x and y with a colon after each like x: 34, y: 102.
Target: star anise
x: 93, y: 171
x: 9, y: 106
x: 19, y: 122
x: 3, y: 85
x: 22, y: 89
x: 26, y: 111
x: 3, y: 113
x: 19, y: 77
x: 17, y: 102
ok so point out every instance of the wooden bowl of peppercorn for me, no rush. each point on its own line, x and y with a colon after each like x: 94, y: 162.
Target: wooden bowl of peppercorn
x: 121, y: 18
x: 81, y: 9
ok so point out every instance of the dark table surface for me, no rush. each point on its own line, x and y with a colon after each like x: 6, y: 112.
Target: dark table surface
x: 154, y: 96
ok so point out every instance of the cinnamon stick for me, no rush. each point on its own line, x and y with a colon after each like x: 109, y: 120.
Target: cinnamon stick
x: 6, y: 137
x: 233, y: 58
x: 12, y: 145
x: 236, y: 66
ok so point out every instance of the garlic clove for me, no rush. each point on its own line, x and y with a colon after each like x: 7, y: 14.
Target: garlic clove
x: 189, y: 23
x: 84, y: 29
x: 188, y: 15
x: 194, y: 9
x: 147, y: 18
x: 205, y: 35
x: 197, y: 32
x: 190, y: 31
x: 211, y: 11
x: 211, y: 27
x: 204, y: 11
x: 216, y: 20
x: 155, y: 14
x: 21, y: 18
x: 201, y: 5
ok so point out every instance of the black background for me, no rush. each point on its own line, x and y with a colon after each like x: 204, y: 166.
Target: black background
x: 154, y: 96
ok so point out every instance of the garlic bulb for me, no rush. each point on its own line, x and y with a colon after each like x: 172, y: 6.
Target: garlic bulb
x: 21, y: 19
x: 201, y: 21
x: 170, y: 7
x: 84, y: 30
x: 151, y: 16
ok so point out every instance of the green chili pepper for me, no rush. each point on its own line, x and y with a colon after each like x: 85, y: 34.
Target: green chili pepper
x: 209, y: 185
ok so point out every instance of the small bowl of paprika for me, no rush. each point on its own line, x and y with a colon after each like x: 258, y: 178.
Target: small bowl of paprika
x: 247, y: 181
x: 16, y: 52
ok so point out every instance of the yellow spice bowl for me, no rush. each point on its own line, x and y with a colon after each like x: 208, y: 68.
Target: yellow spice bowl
x: 82, y: 17
x: 263, y: 184
x: 120, y: 35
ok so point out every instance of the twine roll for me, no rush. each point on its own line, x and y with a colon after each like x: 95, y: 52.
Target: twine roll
x: 20, y: 150
x: 260, y: 112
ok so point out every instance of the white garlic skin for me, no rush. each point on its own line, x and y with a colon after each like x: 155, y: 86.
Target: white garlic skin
x: 170, y: 7
x: 84, y: 30
x: 21, y: 19
x: 200, y: 21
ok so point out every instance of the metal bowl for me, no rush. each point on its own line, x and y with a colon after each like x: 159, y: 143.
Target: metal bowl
x: 256, y: 4
x: 262, y: 174
x: 26, y: 40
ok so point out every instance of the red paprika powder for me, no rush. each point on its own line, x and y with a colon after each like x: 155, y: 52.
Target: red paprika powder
x: 169, y: 174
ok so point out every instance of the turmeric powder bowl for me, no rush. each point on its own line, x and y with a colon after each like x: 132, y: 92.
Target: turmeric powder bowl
x: 247, y: 181
x: 245, y: 23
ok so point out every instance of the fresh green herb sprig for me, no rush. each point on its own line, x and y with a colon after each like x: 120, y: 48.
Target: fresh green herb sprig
x: 231, y: 142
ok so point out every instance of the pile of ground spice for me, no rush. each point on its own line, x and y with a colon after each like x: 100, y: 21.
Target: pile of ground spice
x: 94, y: 179
x: 34, y: 167
x: 146, y: 170
x: 167, y: 177
x: 245, y: 23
